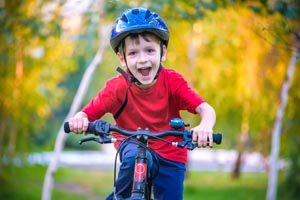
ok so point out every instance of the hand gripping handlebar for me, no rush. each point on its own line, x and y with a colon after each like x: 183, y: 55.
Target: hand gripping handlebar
x: 102, y: 129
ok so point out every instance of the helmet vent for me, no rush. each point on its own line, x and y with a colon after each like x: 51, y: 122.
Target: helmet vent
x: 135, y: 11
x: 124, y: 18
x: 148, y: 14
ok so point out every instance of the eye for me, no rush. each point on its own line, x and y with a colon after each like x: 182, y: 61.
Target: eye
x: 150, y: 50
x: 131, y: 53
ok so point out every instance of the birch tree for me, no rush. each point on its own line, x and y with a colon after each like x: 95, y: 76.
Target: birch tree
x: 84, y: 84
x: 291, y: 12
x: 276, y: 133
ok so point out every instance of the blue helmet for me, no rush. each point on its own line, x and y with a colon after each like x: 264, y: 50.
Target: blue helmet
x: 138, y: 20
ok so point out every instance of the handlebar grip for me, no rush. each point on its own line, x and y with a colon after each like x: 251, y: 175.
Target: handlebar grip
x: 67, y: 127
x: 217, y: 138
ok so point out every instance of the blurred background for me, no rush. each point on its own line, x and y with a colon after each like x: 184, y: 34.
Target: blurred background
x: 241, y: 56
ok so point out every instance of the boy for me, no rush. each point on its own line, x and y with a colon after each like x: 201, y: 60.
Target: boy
x: 147, y: 95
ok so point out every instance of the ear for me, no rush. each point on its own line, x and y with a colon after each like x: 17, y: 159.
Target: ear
x: 164, y: 53
x: 121, y: 59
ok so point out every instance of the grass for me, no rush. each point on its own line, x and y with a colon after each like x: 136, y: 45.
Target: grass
x: 21, y: 183
x: 73, y: 184
x: 220, y: 186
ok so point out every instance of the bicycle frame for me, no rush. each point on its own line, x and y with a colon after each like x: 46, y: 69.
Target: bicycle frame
x: 141, y: 188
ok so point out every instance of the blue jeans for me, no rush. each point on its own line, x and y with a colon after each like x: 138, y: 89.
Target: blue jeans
x: 168, y: 185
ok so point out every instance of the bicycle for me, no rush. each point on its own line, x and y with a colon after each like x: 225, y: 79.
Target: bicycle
x: 141, y: 188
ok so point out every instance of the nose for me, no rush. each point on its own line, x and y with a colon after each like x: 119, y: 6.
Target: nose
x: 142, y: 57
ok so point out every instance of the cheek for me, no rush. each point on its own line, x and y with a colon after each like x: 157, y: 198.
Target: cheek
x: 131, y: 68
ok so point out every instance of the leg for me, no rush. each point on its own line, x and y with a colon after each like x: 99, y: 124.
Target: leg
x: 125, y: 175
x: 124, y: 180
x: 169, y: 182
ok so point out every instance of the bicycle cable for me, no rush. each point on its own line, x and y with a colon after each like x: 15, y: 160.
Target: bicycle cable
x: 123, y: 144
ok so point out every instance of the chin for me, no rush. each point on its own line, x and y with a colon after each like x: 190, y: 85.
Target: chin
x: 146, y: 82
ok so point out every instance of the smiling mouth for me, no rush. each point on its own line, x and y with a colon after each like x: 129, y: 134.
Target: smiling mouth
x: 145, y: 71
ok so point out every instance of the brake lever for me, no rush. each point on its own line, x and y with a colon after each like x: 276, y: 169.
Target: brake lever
x: 89, y: 139
x: 101, y: 140
x: 187, y: 142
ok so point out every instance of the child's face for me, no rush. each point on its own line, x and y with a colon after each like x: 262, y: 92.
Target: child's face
x: 143, y: 57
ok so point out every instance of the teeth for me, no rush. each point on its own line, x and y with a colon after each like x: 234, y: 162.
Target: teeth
x: 143, y: 68
x: 145, y: 71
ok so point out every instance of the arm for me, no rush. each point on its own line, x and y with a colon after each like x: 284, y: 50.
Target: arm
x: 205, y: 129
x: 79, y: 123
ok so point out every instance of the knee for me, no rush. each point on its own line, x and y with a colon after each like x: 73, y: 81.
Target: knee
x: 127, y: 158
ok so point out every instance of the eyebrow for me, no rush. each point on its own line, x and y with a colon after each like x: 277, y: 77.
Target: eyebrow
x: 134, y: 37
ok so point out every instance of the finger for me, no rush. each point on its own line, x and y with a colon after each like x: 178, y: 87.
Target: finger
x: 85, y: 124
x: 79, y: 125
x: 71, y: 125
x: 207, y: 139
x: 211, y: 142
x: 194, y: 136
x: 201, y: 140
x: 76, y: 128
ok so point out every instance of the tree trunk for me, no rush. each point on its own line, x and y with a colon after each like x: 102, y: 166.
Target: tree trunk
x: 272, y: 185
x: 2, y: 132
x: 16, y: 95
x: 244, y: 140
x: 59, y: 144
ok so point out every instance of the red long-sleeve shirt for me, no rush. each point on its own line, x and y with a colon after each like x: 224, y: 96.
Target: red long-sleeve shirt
x: 151, y: 108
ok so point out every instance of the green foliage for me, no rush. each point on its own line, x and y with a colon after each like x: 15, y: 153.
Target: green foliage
x: 291, y: 186
x: 288, y: 9
x: 34, y: 60
x: 291, y: 142
x: 181, y: 10
x: 231, y: 67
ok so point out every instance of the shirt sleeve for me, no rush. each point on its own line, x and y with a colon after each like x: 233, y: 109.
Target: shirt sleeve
x: 186, y: 97
x: 107, y: 100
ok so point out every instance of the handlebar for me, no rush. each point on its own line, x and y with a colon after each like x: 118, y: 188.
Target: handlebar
x: 102, y: 129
